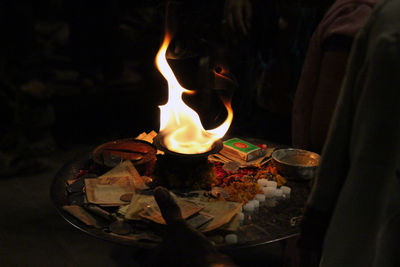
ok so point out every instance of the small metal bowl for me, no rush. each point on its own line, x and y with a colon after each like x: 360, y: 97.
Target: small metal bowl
x: 296, y: 164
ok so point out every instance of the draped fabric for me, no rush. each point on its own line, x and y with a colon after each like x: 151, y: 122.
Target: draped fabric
x: 358, y: 183
x: 345, y: 18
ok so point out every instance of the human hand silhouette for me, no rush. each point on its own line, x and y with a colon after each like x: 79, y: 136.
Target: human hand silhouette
x: 236, y: 22
x: 182, y: 244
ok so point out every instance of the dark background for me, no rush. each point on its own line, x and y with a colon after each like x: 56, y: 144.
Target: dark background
x: 75, y: 74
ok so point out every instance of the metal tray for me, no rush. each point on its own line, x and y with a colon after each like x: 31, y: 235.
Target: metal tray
x: 59, y: 197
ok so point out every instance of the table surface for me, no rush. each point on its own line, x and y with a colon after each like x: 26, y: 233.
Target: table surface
x: 271, y: 224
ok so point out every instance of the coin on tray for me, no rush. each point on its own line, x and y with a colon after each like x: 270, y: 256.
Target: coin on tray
x: 77, y: 198
x: 126, y: 197
x: 120, y: 227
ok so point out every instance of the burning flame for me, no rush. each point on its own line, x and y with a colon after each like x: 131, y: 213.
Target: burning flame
x: 179, y: 124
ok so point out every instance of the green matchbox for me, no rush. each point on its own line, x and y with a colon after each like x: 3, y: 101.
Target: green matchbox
x: 238, y: 148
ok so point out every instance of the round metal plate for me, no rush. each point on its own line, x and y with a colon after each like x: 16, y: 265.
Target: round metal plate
x: 59, y: 197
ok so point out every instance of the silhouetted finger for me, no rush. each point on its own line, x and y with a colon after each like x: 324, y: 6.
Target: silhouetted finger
x: 247, y: 15
x: 231, y: 25
x: 239, y: 22
x: 169, y: 209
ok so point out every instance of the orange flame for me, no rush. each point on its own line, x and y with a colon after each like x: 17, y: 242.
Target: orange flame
x: 179, y: 124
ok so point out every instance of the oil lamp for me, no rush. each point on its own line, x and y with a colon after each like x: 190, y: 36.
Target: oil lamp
x: 181, y: 136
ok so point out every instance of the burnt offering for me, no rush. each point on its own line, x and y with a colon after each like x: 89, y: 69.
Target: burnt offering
x: 184, y: 171
x: 180, y: 126
x: 182, y: 136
